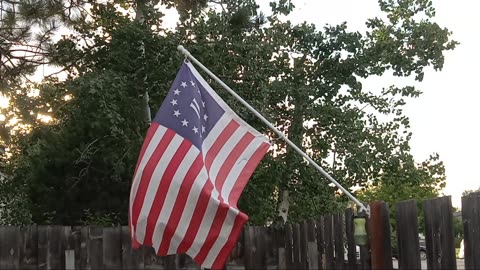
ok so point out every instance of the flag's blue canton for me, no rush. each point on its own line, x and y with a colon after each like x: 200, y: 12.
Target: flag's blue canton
x: 188, y: 109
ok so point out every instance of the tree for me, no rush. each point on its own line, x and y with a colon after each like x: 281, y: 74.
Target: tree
x: 307, y: 81
x: 408, y: 181
x: 84, y: 157
x: 26, y: 31
x: 469, y: 191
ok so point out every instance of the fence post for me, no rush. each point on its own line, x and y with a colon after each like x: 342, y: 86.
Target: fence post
x: 381, y: 246
x: 312, y: 246
x: 351, y: 246
x: 320, y: 243
x: 68, y: 247
x: 54, y: 247
x: 29, y: 247
x: 288, y: 247
x: 249, y: 247
x: 471, y: 227
x: 407, y: 235
x: 338, y: 237
x: 112, y: 247
x: 131, y: 259
x: 304, y: 245
x: 9, y: 247
x: 329, y: 245
x: 260, y: 236
x: 296, y: 246
x: 439, y: 234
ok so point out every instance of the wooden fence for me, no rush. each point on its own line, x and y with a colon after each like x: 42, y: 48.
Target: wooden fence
x: 326, y: 242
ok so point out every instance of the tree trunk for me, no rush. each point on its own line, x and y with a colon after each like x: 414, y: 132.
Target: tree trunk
x: 295, y: 134
x: 140, y: 13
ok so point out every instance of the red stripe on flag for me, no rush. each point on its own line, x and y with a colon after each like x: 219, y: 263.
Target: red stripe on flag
x: 179, y: 206
x: 206, y: 191
x: 162, y: 190
x: 147, y: 174
x: 219, y: 142
x: 150, y: 133
x: 246, y: 173
x: 222, y: 256
x: 197, y: 217
x: 214, y: 232
x: 231, y: 160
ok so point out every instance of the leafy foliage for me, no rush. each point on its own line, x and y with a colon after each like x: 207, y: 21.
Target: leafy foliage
x: 406, y: 181
x: 305, y: 80
x: 470, y: 191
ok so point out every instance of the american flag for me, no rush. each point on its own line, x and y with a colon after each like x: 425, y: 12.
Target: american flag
x: 195, y: 161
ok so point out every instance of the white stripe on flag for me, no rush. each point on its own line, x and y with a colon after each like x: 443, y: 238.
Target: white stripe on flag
x: 222, y: 237
x: 156, y: 137
x: 221, y: 158
x: 153, y: 186
x: 214, y: 133
x: 172, y: 193
x: 188, y: 211
x: 205, y: 225
x: 239, y: 166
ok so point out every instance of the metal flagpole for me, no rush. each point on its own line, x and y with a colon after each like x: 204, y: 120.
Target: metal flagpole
x: 278, y: 132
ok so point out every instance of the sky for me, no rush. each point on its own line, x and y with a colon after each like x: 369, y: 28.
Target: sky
x: 444, y: 119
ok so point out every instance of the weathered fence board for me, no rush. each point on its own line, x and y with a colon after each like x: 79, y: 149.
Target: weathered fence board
x: 249, y: 247
x: 9, y: 248
x: 380, y: 245
x: 29, y: 247
x: 289, y: 246
x: 439, y: 234
x: 54, y: 247
x: 329, y: 244
x: 296, y: 246
x: 112, y: 247
x: 42, y: 247
x: 84, y: 251
x: 407, y: 235
x: 95, y: 247
x: 67, y: 248
x: 471, y: 229
x: 282, y: 257
x: 259, y: 256
x: 338, y: 239
x: 320, y: 243
x: 312, y: 245
x: 303, y: 246
x: 131, y: 258
x: 351, y: 246
x: 77, y: 245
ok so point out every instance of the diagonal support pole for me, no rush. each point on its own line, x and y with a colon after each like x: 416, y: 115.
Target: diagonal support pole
x: 278, y: 132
